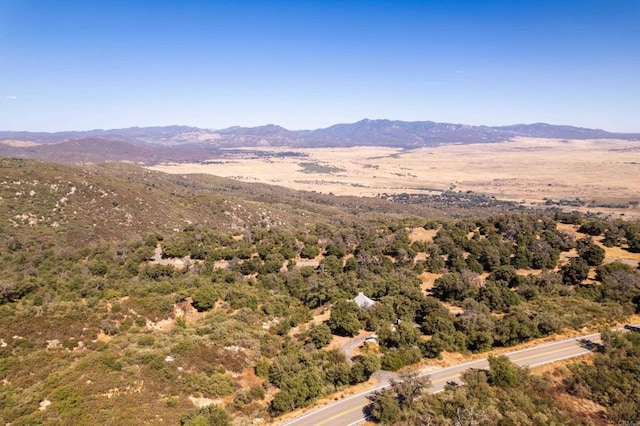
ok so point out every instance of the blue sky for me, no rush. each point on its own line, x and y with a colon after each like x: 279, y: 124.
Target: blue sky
x: 85, y: 64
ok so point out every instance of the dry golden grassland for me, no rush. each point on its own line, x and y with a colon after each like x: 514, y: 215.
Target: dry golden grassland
x: 525, y: 169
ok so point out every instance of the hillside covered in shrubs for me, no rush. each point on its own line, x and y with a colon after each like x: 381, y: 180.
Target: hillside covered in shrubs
x: 133, y: 296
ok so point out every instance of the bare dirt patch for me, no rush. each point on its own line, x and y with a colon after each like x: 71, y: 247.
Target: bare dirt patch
x: 103, y: 338
x: 340, y: 341
x: 526, y: 272
x: 617, y: 254
x: 569, y: 229
x: 428, y: 280
x: 19, y: 144
x: 203, y: 402
x: 455, y: 310
x: 320, y: 315
x: 314, y: 263
x: 423, y: 235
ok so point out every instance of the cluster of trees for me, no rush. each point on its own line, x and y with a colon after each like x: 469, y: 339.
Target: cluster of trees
x: 302, y: 376
x: 255, y: 301
x: 209, y: 415
x: 613, y: 232
x: 613, y: 379
x: 503, y: 395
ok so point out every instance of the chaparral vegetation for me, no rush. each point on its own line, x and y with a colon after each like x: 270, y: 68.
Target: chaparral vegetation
x: 132, y: 296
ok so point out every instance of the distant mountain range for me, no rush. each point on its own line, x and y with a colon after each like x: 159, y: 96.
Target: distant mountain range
x: 182, y: 143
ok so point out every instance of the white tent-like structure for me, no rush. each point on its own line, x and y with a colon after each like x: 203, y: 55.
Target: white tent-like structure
x: 363, y: 301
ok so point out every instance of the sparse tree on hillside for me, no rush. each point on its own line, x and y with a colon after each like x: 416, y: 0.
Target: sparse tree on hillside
x: 204, y: 298
x: 590, y: 252
x: 575, y: 271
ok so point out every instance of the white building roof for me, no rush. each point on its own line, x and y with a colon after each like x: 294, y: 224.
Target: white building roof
x: 363, y: 301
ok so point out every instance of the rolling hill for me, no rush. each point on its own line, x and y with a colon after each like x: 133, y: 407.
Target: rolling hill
x: 130, y: 296
x: 78, y: 204
x: 151, y: 145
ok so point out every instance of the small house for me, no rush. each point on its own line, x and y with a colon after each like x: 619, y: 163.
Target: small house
x: 363, y: 301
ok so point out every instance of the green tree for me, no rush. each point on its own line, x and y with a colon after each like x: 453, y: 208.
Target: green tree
x: 409, y: 387
x: 543, y: 255
x: 477, y: 324
x: 497, y: 296
x: 503, y: 372
x: 385, y: 408
x: 620, y: 283
x: 363, y: 367
x: 575, y: 271
x: 436, y: 318
x: 594, y: 228
x: 309, y: 251
x: 612, y: 380
x: 297, y: 391
x: 320, y: 335
x: 396, y: 358
x: 204, y: 298
x: 211, y: 415
x: 344, y: 320
x: 434, y: 263
x: 590, y: 252
x: 457, y: 286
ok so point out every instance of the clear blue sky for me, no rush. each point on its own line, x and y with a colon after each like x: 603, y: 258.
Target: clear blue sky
x: 84, y: 64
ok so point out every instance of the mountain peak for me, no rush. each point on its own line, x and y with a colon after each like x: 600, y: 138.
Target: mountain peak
x: 183, y: 143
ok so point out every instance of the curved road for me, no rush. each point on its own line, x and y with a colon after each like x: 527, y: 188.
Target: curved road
x: 349, y: 347
x: 349, y: 411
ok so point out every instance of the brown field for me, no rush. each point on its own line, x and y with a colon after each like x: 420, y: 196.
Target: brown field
x: 421, y: 234
x: 21, y: 144
x: 525, y: 170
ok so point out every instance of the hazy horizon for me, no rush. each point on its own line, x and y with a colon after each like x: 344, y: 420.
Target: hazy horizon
x: 306, y: 65
x: 301, y: 129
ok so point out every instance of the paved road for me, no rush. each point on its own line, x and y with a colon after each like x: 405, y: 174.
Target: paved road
x: 349, y: 411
